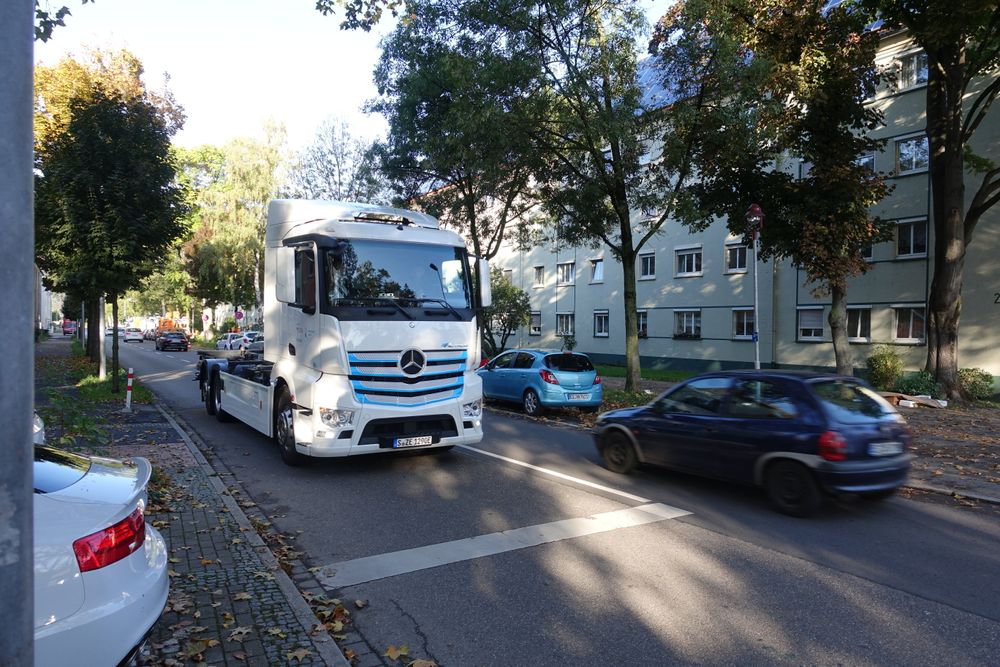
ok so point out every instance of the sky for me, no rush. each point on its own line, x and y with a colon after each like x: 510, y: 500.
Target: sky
x: 233, y: 64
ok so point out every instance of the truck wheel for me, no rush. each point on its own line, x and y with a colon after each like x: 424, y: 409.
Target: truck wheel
x: 792, y: 489
x: 284, y: 430
x: 216, y: 391
x: 206, y: 393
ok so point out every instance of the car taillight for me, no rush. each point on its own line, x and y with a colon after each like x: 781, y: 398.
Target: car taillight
x: 832, y: 446
x: 597, y: 379
x: 111, y: 544
x: 547, y: 376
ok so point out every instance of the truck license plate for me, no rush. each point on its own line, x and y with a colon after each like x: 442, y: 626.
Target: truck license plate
x: 579, y: 397
x: 418, y: 441
x: 885, y: 448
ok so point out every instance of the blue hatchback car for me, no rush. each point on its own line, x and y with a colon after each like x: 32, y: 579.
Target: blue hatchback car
x: 539, y: 379
x: 796, y: 434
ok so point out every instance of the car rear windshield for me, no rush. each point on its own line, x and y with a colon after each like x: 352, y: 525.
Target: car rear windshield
x: 55, y: 469
x: 174, y: 335
x: 573, y: 363
x: 849, y: 402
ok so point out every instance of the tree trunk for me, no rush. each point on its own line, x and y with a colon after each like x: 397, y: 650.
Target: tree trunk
x: 633, y: 366
x: 93, y: 308
x: 838, y: 329
x: 114, y: 344
x: 946, y: 70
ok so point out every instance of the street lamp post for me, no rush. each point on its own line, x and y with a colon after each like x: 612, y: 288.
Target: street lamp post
x: 755, y: 221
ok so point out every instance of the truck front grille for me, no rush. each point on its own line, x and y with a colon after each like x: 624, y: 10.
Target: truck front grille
x: 376, y: 378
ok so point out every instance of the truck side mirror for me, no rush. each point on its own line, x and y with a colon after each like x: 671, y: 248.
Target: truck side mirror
x: 485, y: 291
x: 284, y: 274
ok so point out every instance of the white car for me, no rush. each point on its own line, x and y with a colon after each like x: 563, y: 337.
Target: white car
x: 229, y: 341
x: 133, y: 333
x: 243, y: 342
x: 100, y: 570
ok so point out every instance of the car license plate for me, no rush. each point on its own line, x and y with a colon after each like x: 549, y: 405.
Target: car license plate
x: 579, y: 397
x: 418, y: 441
x: 885, y: 448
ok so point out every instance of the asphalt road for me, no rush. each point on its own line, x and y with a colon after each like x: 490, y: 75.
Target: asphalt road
x: 566, y: 570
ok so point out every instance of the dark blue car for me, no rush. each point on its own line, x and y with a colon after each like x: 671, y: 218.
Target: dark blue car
x: 799, y: 435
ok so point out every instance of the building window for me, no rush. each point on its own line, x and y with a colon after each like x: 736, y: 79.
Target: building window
x: 601, y: 325
x: 647, y: 266
x: 687, y: 324
x: 805, y: 168
x: 642, y: 323
x: 535, y: 327
x: 868, y: 252
x: 596, y: 270
x: 859, y: 325
x: 688, y: 261
x: 743, y: 324
x: 810, y: 324
x: 565, y: 273
x: 539, y: 276
x: 508, y: 275
x: 911, y: 155
x: 736, y: 258
x: 909, y: 324
x: 868, y: 162
x: 911, y: 238
x: 913, y: 70
x: 565, y: 324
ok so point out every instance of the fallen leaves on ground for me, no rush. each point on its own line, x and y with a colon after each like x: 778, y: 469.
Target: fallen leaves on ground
x: 298, y: 654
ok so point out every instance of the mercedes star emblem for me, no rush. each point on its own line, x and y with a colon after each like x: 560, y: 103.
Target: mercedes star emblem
x: 411, y: 362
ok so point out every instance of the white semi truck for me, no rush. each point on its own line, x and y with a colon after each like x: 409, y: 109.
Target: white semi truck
x: 370, y: 335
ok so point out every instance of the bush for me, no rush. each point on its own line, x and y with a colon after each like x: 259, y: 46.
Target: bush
x: 919, y: 383
x: 228, y: 324
x: 884, y: 367
x: 976, y: 383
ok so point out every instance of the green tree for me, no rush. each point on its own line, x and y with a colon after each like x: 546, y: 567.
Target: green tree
x: 510, y: 309
x: 798, y: 80
x: 46, y: 20
x: 962, y: 41
x: 339, y: 166
x: 107, y: 202
x: 452, y: 86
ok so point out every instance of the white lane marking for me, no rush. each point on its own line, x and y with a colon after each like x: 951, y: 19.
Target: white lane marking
x: 553, y: 473
x: 373, y: 568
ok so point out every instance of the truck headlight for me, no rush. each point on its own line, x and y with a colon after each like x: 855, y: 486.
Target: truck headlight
x: 472, y: 410
x: 336, y: 418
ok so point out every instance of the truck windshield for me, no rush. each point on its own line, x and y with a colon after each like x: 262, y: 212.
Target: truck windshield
x: 367, y: 274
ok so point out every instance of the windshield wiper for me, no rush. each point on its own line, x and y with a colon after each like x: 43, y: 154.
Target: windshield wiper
x: 377, y: 301
x: 443, y: 303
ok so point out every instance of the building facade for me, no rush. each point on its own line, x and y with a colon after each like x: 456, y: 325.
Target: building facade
x: 696, y: 293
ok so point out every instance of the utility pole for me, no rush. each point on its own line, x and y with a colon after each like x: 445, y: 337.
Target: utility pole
x: 16, y: 292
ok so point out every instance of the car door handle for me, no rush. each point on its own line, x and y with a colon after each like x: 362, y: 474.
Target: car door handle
x: 291, y: 349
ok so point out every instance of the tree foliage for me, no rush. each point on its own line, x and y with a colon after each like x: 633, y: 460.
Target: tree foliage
x: 453, y: 86
x: 47, y: 20
x: 509, y: 311
x: 796, y: 77
x: 107, y: 201
x: 962, y: 41
x: 339, y: 166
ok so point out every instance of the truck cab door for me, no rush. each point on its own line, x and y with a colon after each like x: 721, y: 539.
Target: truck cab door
x: 304, y: 320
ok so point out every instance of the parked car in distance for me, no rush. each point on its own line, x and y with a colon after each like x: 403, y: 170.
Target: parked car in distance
x: 69, y: 328
x: 100, y: 570
x: 798, y: 434
x: 256, y: 346
x: 244, y: 340
x: 539, y: 379
x: 172, y: 340
x: 226, y: 340
x: 133, y: 333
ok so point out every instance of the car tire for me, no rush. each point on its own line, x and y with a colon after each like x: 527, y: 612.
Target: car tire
x: 792, y: 489
x: 284, y: 430
x: 216, y: 392
x: 876, y: 496
x: 618, y: 453
x: 531, y: 403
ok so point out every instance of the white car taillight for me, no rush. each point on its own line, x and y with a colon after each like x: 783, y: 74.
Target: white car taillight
x: 110, y: 545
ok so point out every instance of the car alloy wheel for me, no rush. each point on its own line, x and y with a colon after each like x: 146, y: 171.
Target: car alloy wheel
x: 618, y: 453
x: 532, y: 405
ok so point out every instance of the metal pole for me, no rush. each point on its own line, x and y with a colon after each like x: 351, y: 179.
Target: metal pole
x: 16, y: 287
x: 756, y: 314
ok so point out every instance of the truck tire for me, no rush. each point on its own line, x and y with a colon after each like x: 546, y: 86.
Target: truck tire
x: 216, y: 396
x: 284, y: 429
x: 206, y: 391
